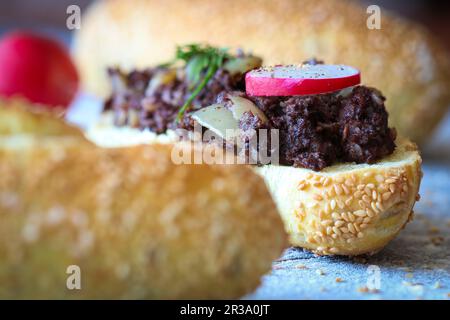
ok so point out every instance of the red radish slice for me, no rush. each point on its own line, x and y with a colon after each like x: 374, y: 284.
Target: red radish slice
x: 300, y: 80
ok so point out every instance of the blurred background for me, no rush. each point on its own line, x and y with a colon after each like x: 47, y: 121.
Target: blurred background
x: 51, y: 14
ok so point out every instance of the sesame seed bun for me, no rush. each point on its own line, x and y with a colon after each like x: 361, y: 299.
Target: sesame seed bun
x: 401, y: 59
x: 136, y: 224
x: 347, y: 209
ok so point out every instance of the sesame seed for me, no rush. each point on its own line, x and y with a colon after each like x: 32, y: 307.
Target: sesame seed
x: 348, y: 201
x: 374, y: 207
x: 351, y: 217
x: 360, y: 235
x: 329, y: 230
x: 335, y: 216
x: 346, y: 190
x: 374, y: 195
x: 340, y: 179
x: 317, y: 197
x: 366, y: 199
x: 321, y: 214
x: 379, y: 178
x: 360, y: 187
x: 351, y: 228
x: 362, y: 204
x: 390, y: 180
x: 367, y: 220
x: 358, y: 194
x: 344, y: 230
x: 339, y: 223
x: 359, y: 213
x: 336, y: 231
x: 349, y: 183
x: 370, y: 185
x: 333, y: 204
x: 363, y: 226
x: 370, y: 213
x: 301, y: 186
x: 379, y: 206
x: 327, y: 223
x: 392, y: 188
x: 338, y: 189
x: 340, y: 204
x: 344, y: 216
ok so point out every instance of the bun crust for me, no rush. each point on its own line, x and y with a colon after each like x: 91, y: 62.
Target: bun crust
x: 401, y: 59
x: 137, y: 225
x: 347, y: 209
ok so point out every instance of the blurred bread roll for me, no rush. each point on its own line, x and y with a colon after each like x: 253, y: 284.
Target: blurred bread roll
x: 136, y: 224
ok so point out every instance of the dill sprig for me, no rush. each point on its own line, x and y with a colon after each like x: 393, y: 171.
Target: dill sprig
x: 202, y: 62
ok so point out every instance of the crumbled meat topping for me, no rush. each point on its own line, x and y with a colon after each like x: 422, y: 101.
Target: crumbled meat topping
x: 315, y: 131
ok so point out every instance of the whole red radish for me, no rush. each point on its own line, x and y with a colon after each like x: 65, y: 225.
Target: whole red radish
x: 37, y: 68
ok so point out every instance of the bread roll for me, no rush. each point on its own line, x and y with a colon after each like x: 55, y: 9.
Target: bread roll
x: 137, y: 225
x: 401, y: 59
x: 347, y: 209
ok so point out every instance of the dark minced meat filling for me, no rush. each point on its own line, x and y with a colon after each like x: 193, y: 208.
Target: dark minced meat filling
x: 315, y: 131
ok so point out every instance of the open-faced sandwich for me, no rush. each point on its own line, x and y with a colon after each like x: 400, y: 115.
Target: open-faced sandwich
x: 343, y: 182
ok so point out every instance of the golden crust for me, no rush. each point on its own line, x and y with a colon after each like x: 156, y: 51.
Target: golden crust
x: 17, y: 116
x: 137, y: 225
x: 401, y: 58
x: 347, y: 209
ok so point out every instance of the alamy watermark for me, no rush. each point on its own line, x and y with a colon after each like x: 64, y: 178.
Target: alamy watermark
x: 233, y: 146
x: 373, y: 22
x: 373, y: 278
x: 73, y: 21
x: 73, y: 281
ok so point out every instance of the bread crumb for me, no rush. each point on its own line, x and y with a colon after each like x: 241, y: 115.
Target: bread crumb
x: 338, y: 280
x: 320, y: 272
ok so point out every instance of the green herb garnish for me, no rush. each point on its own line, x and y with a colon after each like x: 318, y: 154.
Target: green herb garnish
x: 202, y: 62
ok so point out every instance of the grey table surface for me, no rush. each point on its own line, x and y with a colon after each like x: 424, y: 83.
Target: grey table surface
x: 415, y: 265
